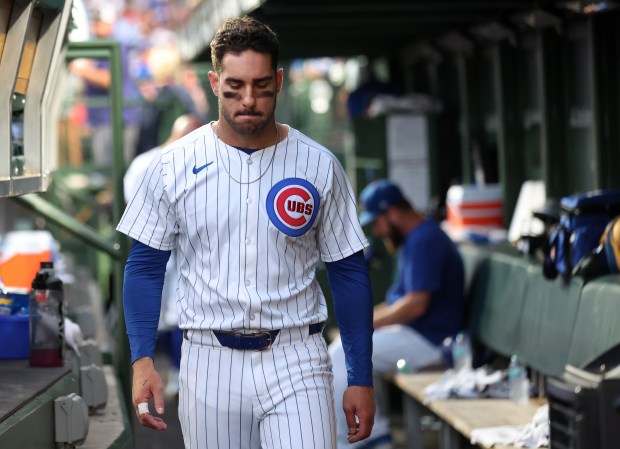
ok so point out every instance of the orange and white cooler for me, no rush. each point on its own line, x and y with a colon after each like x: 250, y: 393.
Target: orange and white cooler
x: 21, y: 254
x: 474, y: 208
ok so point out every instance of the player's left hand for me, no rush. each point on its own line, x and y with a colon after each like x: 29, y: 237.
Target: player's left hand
x: 359, y: 409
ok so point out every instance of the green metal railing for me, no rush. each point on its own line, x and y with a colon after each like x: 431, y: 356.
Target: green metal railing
x: 117, y: 249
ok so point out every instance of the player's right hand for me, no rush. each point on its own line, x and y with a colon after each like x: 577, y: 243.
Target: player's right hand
x: 359, y: 410
x: 147, y: 384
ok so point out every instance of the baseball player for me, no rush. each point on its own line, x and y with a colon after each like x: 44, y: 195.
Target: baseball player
x: 250, y: 206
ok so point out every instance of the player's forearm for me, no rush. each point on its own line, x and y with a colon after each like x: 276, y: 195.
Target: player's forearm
x: 144, y: 280
x: 86, y: 70
x: 403, y: 311
x: 350, y: 286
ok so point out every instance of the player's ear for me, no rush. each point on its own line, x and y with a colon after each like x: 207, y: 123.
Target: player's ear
x: 214, y: 81
x: 279, y: 79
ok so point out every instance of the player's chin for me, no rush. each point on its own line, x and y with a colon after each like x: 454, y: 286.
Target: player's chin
x: 251, y: 127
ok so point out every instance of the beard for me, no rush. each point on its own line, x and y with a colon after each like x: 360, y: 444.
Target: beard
x: 247, y: 129
x: 394, y: 239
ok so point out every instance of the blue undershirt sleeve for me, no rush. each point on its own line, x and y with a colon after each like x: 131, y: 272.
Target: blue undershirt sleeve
x: 144, y: 280
x: 353, y: 305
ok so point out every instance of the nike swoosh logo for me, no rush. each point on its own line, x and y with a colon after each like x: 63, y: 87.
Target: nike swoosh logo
x: 197, y: 170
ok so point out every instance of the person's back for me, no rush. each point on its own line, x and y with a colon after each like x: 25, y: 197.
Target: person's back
x: 437, y: 265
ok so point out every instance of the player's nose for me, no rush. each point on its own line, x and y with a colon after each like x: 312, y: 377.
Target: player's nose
x: 248, y: 98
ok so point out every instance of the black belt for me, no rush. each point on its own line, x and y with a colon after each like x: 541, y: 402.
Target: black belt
x: 256, y: 341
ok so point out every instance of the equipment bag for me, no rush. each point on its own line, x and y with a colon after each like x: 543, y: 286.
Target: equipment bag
x: 583, y: 218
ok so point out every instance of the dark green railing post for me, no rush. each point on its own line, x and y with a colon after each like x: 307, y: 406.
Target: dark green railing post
x: 509, y: 127
x: 551, y: 85
x: 110, y: 50
x: 467, y: 115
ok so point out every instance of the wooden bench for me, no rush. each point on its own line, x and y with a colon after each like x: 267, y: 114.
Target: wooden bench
x: 514, y: 309
x: 458, y: 416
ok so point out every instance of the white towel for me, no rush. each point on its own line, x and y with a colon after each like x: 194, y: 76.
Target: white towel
x: 532, y: 435
x: 73, y: 335
x: 467, y: 383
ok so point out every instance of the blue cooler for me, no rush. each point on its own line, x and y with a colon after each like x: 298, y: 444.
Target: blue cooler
x: 14, y: 328
x: 14, y: 339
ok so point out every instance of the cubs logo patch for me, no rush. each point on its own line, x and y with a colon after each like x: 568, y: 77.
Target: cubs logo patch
x: 292, y: 206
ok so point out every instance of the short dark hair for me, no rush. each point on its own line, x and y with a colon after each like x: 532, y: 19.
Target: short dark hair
x: 240, y: 34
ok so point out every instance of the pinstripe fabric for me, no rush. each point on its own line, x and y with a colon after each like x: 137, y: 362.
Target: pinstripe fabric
x: 237, y: 269
x: 247, y: 255
x: 279, y: 398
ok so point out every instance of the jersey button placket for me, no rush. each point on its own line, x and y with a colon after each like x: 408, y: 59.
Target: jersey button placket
x: 250, y: 250
x: 250, y: 247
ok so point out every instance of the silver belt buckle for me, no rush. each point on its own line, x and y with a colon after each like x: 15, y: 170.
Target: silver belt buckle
x: 262, y: 334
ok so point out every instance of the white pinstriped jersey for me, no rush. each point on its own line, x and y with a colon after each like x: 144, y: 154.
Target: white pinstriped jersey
x: 246, y: 251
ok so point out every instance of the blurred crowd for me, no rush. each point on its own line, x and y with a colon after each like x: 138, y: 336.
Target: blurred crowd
x: 158, y: 87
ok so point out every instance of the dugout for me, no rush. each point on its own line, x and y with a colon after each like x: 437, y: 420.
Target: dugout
x: 528, y: 91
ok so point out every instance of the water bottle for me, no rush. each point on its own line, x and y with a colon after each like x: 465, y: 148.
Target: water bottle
x: 518, y: 382
x: 461, y: 352
x: 46, y: 307
x: 446, y: 352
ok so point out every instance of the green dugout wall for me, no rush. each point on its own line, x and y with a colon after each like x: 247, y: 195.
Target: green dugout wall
x: 532, y: 102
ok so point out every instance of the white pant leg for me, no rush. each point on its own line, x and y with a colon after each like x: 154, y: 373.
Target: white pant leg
x: 390, y: 344
x: 295, y: 396
x: 281, y: 398
x: 216, y: 400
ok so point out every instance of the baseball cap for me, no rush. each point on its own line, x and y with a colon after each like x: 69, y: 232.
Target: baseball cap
x: 377, y: 197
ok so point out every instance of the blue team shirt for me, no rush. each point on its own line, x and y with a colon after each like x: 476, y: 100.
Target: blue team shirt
x: 99, y: 114
x: 429, y: 261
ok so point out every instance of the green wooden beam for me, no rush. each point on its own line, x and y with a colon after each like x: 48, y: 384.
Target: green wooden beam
x: 551, y: 83
x: 509, y: 125
x: 468, y: 113
x: 444, y: 83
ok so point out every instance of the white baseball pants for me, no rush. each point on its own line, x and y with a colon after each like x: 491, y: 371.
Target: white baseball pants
x: 274, y: 399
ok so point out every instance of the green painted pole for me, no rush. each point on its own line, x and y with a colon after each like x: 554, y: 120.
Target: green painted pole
x: 509, y: 128
x: 109, y: 49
